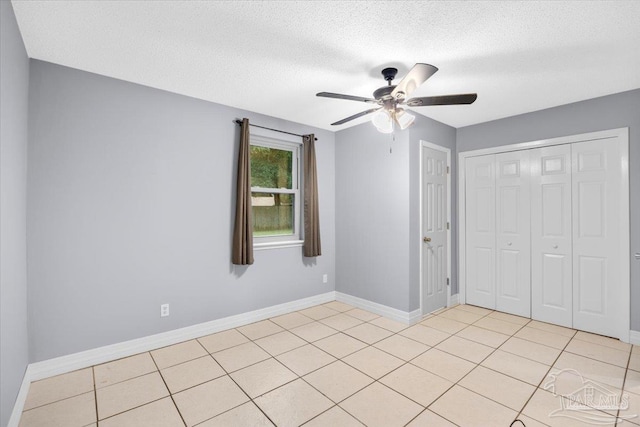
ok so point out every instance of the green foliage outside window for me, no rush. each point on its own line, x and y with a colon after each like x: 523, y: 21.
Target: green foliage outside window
x: 271, y: 168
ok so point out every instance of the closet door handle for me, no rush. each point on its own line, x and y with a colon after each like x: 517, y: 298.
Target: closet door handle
x: 509, y: 243
x: 555, y: 246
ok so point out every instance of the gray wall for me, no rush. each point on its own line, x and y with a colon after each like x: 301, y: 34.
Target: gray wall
x: 377, y: 211
x: 372, y: 215
x: 14, y: 85
x: 130, y: 205
x: 608, y: 112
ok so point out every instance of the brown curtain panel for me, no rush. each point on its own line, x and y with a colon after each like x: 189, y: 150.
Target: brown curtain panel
x: 242, y: 249
x: 311, y: 246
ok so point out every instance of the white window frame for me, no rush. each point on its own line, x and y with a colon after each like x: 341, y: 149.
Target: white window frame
x: 295, y: 239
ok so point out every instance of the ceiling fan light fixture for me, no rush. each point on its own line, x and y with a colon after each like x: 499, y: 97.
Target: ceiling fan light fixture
x: 382, y: 121
x: 404, y: 119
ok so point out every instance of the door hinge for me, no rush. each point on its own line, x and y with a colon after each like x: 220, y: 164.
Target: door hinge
x: 447, y: 169
x: 447, y: 225
x: 447, y: 281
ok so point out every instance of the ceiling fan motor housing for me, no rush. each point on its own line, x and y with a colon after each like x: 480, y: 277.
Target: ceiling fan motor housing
x: 389, y: 73
x: 384, y: 92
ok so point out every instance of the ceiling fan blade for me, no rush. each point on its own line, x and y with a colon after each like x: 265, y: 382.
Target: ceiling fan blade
x: 355, y: 116
x: 347, y: 97
x: 466, y: 98
x: 414, y: 78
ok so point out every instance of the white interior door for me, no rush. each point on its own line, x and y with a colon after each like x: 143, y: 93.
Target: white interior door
x: 480, y: 221
x: 434, y: 227
x: 598, y: 292
x: 551, y: 242
x: 513, y: 233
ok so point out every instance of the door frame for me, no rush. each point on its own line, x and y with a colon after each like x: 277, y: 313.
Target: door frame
x: 447, y: 151
x: 623, y: 135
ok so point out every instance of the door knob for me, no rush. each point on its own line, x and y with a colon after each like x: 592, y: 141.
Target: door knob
x: 555, y: 246
x: 426, y: 239
x: 509, y: 243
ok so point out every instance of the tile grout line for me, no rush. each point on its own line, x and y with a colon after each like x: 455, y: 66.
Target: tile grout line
x: 167, y: 387
x: 298, y: 377
x: 624, y: 383
x: 598, y: 360
x: 561, y: 352
x: 132, y: 408
x: 141, y: 375
x: 543, y: 378
x: 65, y: 398
x: 59, y: 400
x: 337, y: 404
x: 474, y: 368
x: 453, y: 383
x: 120, y: 382
x: 563, y: 349
x: 497, y: 348
x: 234, y: 407
x: 367, y: 375
x: 479, y: 364
x: 431, y: 315
x: 409, y: 361
x: 274, y: 357
x: 95, y: 391
x: 237, y: 385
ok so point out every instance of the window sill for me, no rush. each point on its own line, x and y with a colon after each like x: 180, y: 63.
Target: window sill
x: 277, y: 245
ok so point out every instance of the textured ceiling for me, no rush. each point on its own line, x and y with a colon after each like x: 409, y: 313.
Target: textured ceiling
x: 272, y: 57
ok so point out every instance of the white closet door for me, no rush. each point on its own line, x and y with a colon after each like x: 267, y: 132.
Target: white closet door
x: 480, y: 229
x: 513, y: 233
x: 598, y: 294
x: 551, y: 261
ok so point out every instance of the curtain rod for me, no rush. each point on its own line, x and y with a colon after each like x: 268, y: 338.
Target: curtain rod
x: 238, y: 121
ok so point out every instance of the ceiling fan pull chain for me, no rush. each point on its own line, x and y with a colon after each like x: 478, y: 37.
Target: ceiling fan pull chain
x: 393, y: 139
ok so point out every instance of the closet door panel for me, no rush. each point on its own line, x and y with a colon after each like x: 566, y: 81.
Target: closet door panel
x: 554, y: 290
x: 513, y: 285
x: 480, y: 231
x: 597, y: 288
x: 551, y: 242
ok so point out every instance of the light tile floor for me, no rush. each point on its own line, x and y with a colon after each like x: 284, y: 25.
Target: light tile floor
x: 336, y: 365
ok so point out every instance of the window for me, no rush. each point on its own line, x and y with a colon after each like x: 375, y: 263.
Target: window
x: 275, y: 191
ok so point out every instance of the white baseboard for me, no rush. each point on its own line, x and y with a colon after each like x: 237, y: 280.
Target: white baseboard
x: 415, y: 316
x: 72, y: 362
x: 382, y: 310
x: 454, y: 300
x: 634, y: 337
x: 14, y: 420
x: 84, y: 359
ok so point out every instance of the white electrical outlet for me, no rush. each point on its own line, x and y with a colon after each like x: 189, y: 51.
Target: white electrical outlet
x: 325, y: 278
x: 164, y: 310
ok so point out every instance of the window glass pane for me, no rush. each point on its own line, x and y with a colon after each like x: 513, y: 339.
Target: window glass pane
x: 270, y: 167
x: 272, y: 214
